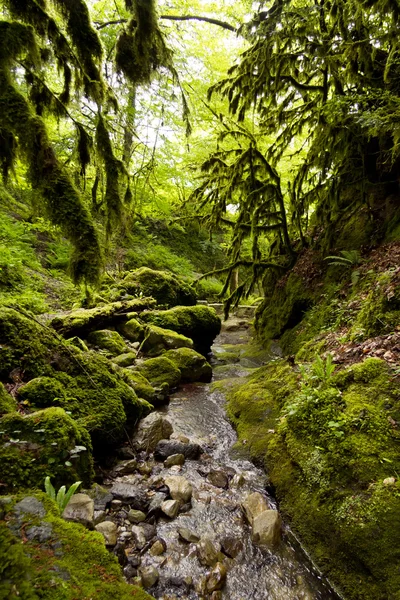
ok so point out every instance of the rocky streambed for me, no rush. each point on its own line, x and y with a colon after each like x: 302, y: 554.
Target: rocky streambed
x: 187, y: 515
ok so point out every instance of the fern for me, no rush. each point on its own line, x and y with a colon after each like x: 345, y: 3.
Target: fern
x: 62, y: 497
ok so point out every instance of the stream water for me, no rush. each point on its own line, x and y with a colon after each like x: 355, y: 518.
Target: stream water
x: 286, y: 573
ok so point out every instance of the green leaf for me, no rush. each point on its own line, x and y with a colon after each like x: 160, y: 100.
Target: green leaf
x: 50, y: 491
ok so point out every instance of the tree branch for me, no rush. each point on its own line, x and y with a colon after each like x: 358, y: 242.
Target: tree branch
x: 217, y: 22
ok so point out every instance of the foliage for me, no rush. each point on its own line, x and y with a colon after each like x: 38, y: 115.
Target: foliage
x: 62, y: 497
x: 348, y: 258
x: 320, y: 373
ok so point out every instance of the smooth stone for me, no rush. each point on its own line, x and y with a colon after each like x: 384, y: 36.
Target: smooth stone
x: 187, y: 535
x: 136, y: 516
x: 179, y: 488
x: 156, y: 502
x: 149, y: 576
x: 149, y: 530
x: 218, y: 479
x: 254, y: 505
x: 174, y: 459
x: 208, y: 551
x: 267, y: 528
x: 125, y: 467
x: 166, y: 448
x: 216, y: 579
x: 109, y: 531
x: 151, y: 430
x: 80, y: 509
x: 170, y: 508
x: 157, y: 548
x: 180, y: 437
x: 99, y: 516
x: 238, y: 480
x: 130, y: 572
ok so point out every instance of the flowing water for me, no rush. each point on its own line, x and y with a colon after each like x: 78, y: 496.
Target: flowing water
x: 286, y: 573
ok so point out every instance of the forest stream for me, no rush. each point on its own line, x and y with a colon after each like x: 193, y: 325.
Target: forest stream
x: 221, y: 479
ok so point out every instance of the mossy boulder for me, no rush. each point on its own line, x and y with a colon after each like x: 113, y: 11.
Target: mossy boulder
x: 166, y: 288
x: 42, y: 392
x: 159, y: 371
x: 7, y: 402
x: 44, y: 557
x: 332, y: 455
x: 192, y: 365
x: 46, y: 442
x: 81, y: 322
x: 157, y: 340
x: 94, y: 393
x: 108, y: 340
x: 200, y: 323
x: 138, y: 382
x: 132, y: 330
x: 124, y: 360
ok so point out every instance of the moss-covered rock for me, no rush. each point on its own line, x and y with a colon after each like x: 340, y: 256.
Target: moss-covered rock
x: 140, y: 384
x: 132, y: 330
x: 81, y: 322
x: 108, y: 340
x: 192, y: 365
x: 46, y: 442
x: 200, y: 323
x: 331, y: 448
x: 44, y: 557
x: 160, y: 370
x: 7, y: 402
x: 167, y: 289
x: 124, y: 360
x: 42, y: 392
x: 157, y: 340
x: 94, y: 394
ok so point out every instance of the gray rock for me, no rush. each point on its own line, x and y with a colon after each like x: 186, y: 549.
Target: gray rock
x: 130, y: 494
x: 125, y: 467
x: 149, y: 576
x: 151, y: 430
x: 218, y: 478
x: 216, y: 579
x: 80, y: 509
x: 170, y: 508
x: 187, y: 535
x: 100, y: 496
x: 166, y: 448
x: 149, y: 531
x: 29, y: 506
x: 136, y: 516
x: 267, y: 528
x: 174, y: 459
x: 158, y: 548
x: 208, y: 551
x: 238, y: 480
x: 179, y: 488
x: 130, y: 571
x: 40, y: 533
x: 139, y: 537
x: 99, y: 516
x: 253, y: 505
x: 109, y: 531
x: 156, y: 502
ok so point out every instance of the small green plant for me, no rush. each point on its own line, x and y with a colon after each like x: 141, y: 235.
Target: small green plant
x: 348, y: 258
x: 319, y: 373
x: 62, y: 497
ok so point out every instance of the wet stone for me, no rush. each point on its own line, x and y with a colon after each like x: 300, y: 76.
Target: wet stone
x: 208, y: 551
x: 149, y: 531
x: 99, y: 516
x: 130, y: 571
x: 253, y: 505
x: 151, y: 430
x: 156, y: 502
x: 231, y: 546
x: 136, y: 516
x: 166, y: 448
x: 170, y: 508
x: 218, y: 478
x: 125, y: 467
x: 187, y: 535
x: 130, y: 494
x: 173, y: 460
x: 216, y: 579
x: 267, y: 528
x: 149, y: 576
x: 119, y: 551
x: 138, y: 537
x: 158, y: 548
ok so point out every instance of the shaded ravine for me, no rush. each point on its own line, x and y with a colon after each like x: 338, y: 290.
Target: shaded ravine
x: 286, y: 573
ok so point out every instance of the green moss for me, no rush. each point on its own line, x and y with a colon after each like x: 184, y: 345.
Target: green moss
x: 7, y: 402
x: 108, y: 340
x: 124, y: 360
x: 200, y: 323
x: 72, y: 563
x: 139, y: 383
x: 157, y: 340
x: 40, y: 444
x: 132, y: 330
x: 160, y: 370
x: 42, y: 392
x: 192, y: 365
x: 167, y: 289
x: 333, y: 455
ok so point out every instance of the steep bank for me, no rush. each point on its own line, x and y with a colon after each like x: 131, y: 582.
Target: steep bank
x: 325, y: 420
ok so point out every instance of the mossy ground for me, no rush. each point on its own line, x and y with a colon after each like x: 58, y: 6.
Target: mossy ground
x: 72, y: 564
